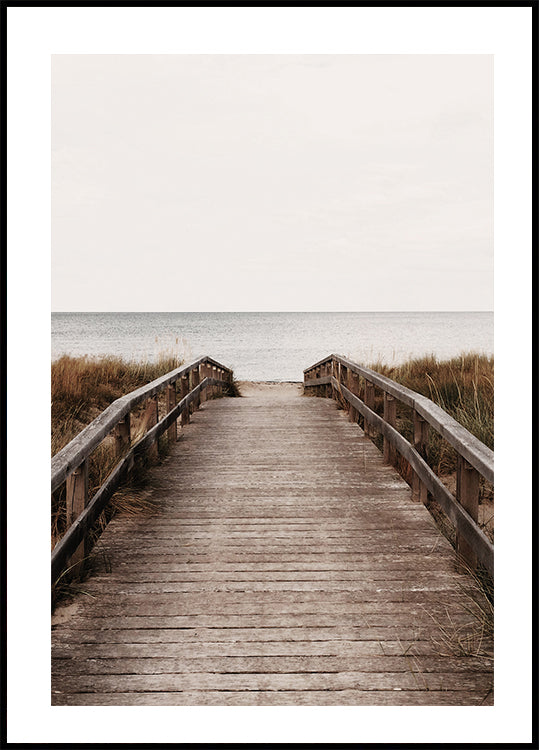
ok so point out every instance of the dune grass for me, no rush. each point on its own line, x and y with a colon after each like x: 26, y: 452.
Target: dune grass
x: 462, y: 386
x: 81, y: 388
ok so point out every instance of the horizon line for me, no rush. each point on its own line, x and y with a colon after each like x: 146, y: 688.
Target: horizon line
x: 250, y: 312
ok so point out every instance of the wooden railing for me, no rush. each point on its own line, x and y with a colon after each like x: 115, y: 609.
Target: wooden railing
x: 339, y: 378
x: 70, y: 465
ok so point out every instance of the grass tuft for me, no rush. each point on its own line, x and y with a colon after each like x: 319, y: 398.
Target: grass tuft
x: 473, y: 637
x: 462, y: 386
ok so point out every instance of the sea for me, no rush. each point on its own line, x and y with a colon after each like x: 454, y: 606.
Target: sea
x: 272, y: 346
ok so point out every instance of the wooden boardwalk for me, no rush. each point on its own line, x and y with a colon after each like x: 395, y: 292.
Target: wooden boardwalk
x: 285, y: 564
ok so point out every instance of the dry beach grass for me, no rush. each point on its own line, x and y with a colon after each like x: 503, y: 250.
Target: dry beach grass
x: 464, y: 387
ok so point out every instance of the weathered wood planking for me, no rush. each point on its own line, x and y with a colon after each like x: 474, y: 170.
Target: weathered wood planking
x: 272, y: 698
x: 285, y: 565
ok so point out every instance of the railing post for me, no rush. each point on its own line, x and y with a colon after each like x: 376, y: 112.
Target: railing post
x: 327, y: 373
x: 76, y: 501
x: 340, y: 379
x: 151, y: 417
x: 356, y: 389
x: 228, y: 377
x: 171, y: 403
x: 369, y: 430
x: 202, y: 373
x: 347, y: 383
x: 421, y: 436
x: 194, y: 381
x: 353, y: 386
x: 201, y: 376
x: 122, y: 435
x: 468, y: 497
x: 208, y: 373
x: 390, y: 416
x: 318, y: 374
x: 184, y: 390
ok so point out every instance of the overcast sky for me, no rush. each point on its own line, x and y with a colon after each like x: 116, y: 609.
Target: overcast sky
x: 270, y: 182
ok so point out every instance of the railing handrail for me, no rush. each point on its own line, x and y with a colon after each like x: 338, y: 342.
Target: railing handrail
x: 478, y: 455
x: 474, y: 458
x: 70, y: 465
x: 78, y: 449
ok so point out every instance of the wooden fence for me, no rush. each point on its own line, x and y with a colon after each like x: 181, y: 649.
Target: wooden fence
x: 354, y: 386
x: 70, y: 465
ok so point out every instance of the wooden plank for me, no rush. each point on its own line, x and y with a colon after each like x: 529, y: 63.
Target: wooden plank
x: 409, y: 637
x: 439, y: 558
x: 292, y: 681
x: 272, y: 554
x: 364, y: 624
x: 158, y: 664
x: 442, y: 697
x: 213, y: 642
x: 423, y: 574
x: 290, y: 604
x: 250, y: 529
x: 291, y: 587
x: 285, y: 545
x: 394, y: 653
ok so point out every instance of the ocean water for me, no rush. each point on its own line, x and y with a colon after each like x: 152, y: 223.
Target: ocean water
x: 275, y: 346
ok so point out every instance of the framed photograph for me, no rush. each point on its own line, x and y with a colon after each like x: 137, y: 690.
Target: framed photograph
x: 279, y: 242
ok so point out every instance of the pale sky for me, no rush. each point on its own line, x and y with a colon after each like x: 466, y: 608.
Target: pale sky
x: 272, y: 182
